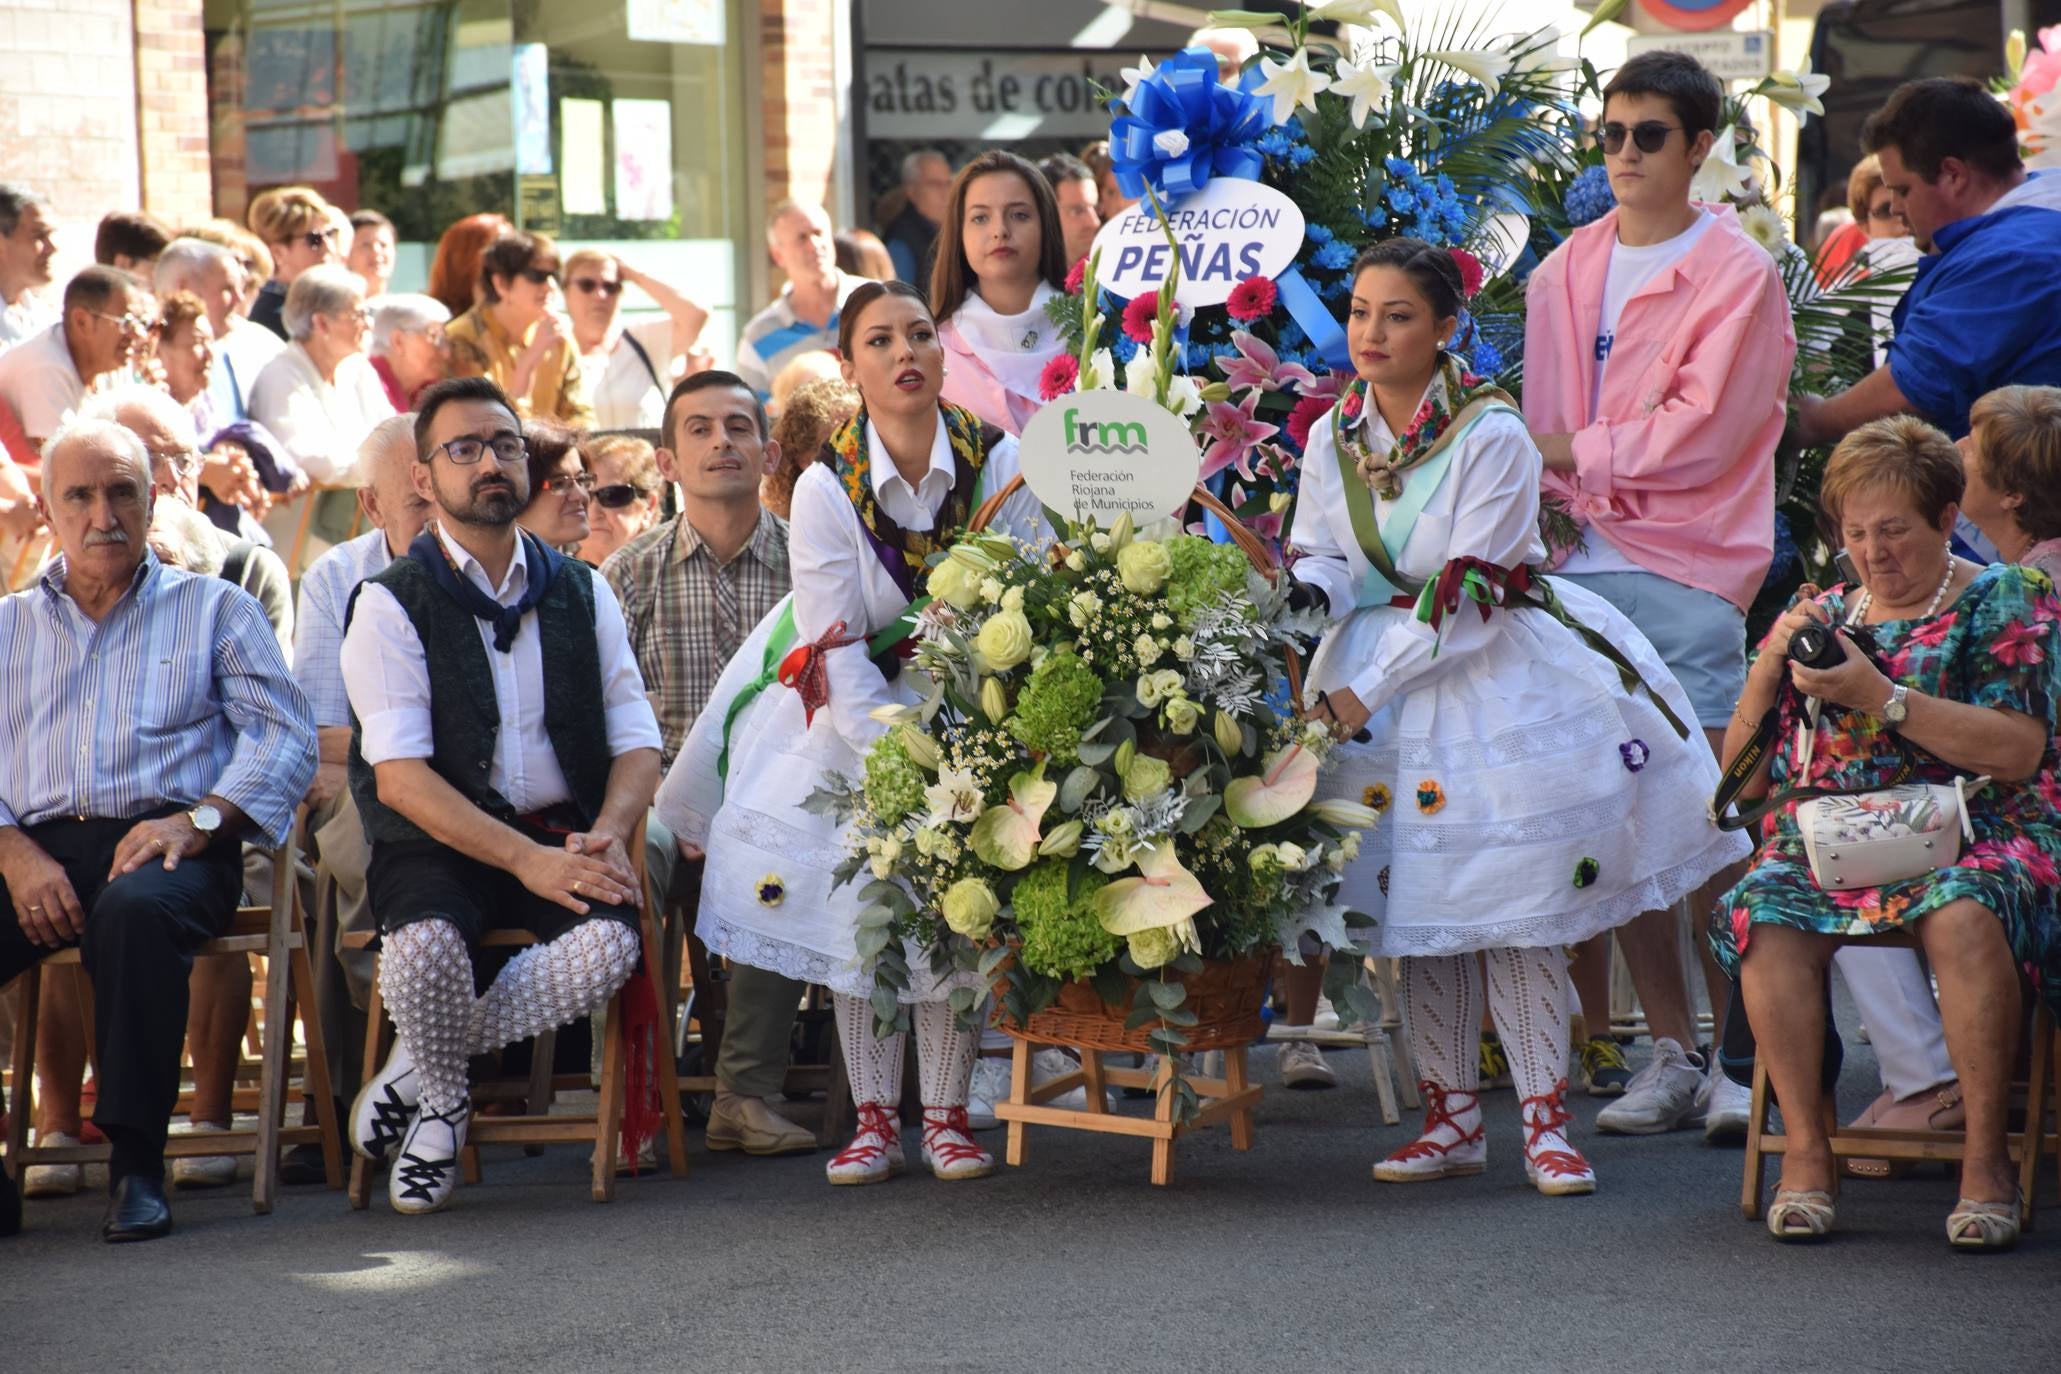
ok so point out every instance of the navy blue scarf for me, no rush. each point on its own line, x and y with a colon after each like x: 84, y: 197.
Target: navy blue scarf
x: 542, y: 565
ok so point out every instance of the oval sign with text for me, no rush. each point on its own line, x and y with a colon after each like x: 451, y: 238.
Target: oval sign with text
x: 1228, y: 231
x: 1092, y: 455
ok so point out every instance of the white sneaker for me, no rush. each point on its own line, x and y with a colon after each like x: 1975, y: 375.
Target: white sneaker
x: 1660, y: 1097
x: 1048, y: 1064
x: 1326, y: 1018
x: 1303, y: 1066
x: 990, y: 1085
x: 202, y: 1171
x: 53, y: 1180
x: 1728, y: 1110
x: 425, y: 1172
x: 383, y: 1107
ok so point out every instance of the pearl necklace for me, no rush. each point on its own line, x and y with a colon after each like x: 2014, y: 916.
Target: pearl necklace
x: 1868, y: 598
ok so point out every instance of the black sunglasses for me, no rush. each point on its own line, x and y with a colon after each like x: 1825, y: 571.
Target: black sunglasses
x: 1651, y: 136
x: 323, y: 239
x: 589, y: 285
x: 536, y: 276
x: 617, y: 495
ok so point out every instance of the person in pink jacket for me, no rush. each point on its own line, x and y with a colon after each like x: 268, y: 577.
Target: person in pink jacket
x: 1657, y: 354
x: 1000, y: 257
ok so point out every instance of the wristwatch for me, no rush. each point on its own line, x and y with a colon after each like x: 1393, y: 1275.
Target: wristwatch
x: 205, y: 819
x: 1895, y: 710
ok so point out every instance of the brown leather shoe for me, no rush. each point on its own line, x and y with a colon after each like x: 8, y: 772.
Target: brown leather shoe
x: 748, y: 1124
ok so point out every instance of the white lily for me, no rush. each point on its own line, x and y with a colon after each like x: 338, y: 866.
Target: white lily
x: 954, y: 797
x: 1359, y: 12
x: 1134, y: 77
x: 1290, y: 84
x: 1798, y: 91
x: 1183, y: 396
x: 1539, y: 52
x: 1100, y: 372
x: 1369, y: 87
x: 1489, y: 68
x: 1720, y: 178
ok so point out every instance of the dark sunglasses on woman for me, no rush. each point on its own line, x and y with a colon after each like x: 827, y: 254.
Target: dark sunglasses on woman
x: 587, y: 286
x: 1651, y: 136
x: 617, y: 495
x: 536, y: 276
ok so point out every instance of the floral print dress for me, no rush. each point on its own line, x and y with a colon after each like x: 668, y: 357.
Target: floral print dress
x: 1995, y: 646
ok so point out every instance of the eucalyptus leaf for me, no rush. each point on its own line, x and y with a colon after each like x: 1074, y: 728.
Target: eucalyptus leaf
x: 1198, y: 812
x: 885, y: 1007
x: 962, y: 1000
x: 871, y: 940
x: 1143, y: 1016
x: 991, y: 959
x: 1177, y: 1016
x: 1166, y: 996
x: 1096, y: 753
x: 1075, y: 791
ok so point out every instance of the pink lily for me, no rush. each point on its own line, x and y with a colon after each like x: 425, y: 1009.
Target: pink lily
x: 1232, y: 432
x: 1258, y: 367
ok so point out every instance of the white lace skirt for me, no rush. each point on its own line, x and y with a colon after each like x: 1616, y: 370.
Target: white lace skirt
x: 1514, y: 813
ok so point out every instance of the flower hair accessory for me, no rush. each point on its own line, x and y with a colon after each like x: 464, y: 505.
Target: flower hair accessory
x: 770, y: 890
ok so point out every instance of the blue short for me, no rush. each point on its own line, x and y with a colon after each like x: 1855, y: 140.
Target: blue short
x: 1698, y: 634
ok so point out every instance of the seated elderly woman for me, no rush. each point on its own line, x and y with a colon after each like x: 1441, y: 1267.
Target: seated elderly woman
x: 1961, y: 684
x: 561, y: 484
x: 2013, y: 459
x: 408, y: 345
x: 627, y: 493
x: 320, y: 396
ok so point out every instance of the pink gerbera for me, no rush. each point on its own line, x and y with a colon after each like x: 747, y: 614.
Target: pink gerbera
x: 1060, y: 376
x: 1139, y: 316
x: 1252, y: 299
x: 1077, y: 277
x: 1471, y: 273
x: 1307, y: 412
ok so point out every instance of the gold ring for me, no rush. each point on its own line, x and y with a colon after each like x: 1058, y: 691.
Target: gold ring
x: 576, y: 888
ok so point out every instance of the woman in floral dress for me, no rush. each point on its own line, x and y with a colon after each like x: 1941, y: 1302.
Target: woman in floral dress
x: 1966, y: 687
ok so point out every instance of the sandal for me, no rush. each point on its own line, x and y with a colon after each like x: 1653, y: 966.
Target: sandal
x: 1800, y: 1214
x: 1976, y: 1225
x: 1936, y: 1109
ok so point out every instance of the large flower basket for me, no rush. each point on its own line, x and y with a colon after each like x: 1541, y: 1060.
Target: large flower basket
x: 1225, y: 998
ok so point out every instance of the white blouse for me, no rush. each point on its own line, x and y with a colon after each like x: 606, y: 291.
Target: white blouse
x: 320, y: 423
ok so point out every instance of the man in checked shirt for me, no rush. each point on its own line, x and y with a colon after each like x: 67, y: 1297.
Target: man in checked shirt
x: 691, y: 590
x: 150, y: 723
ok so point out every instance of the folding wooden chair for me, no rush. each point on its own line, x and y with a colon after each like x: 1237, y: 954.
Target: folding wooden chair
x: 277, y: 932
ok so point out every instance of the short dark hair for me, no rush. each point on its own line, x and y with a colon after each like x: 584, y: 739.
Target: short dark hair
x: 549, y: 442
x: 509, y: 254
x: 1684, y: 82
x: 94, y: 287
x: 702, y: 381
x: 1430, y: 269
x: 362, y: 218
x: 133, y: 234
x: 1929, y: 121
x: 441, y: 394
x: 1064, y: 167
x: 14, y: 199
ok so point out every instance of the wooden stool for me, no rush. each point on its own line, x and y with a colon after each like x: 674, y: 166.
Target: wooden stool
x: 538, y: 1125
x: 276, y: 932
x: 1230, y: 1097
x: 1876, y: 1142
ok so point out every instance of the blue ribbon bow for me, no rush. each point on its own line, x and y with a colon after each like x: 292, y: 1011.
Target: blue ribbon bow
x: 1184, y: 95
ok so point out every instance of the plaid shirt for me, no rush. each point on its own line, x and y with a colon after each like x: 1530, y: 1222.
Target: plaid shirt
x: 687, y: 614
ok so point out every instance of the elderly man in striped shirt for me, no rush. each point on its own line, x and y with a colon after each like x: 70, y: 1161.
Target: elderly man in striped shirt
x: 150, y: 723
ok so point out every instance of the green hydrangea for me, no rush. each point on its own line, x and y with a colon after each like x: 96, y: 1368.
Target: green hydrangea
x: 1061, y: 938
x: 1056, y: 704
x: 1202, y: 571
x: 894, y: 782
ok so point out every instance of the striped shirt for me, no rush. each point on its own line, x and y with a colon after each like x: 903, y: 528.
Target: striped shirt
x: 179, y: 692
x: 776, y: 336
x: 687, y: 613
x: 319, y: 625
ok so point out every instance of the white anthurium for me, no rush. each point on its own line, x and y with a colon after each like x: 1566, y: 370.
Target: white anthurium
x: 1489, y: 68
x: 1368, y: 87
x: 1291, y: 83
x: 1798, y: 91
x: 1134, y: 77
x: 1359, y: 12
x: 1172, y: 142
x: 1720, y: 178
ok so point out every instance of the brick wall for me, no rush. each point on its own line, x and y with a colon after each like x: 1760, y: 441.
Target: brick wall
x: 799, y: 98
x: 68, y: 111
x: 172, y: 109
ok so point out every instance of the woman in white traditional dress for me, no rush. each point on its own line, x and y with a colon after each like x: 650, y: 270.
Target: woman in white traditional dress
x: 1524, y: 740
x: 796, y: 702
x: 1001, y: 254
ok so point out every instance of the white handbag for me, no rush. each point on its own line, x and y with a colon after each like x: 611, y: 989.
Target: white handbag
x: 1869, y: 839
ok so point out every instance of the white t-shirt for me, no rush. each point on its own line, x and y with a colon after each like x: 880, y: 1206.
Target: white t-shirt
x: 39, y: 380
x: 1630, y: 270
x: 25, y: 317
x: 624, y: 393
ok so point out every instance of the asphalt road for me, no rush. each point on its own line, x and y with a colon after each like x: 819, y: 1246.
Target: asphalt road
x: 1288, y: 1257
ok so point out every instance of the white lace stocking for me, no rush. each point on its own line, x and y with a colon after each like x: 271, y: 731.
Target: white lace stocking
x: 1442, y: 1014
x: 553, y: 984
x: 425, y: 979
x: 873, y: 1065
x: 1529, y: 995
x: 945, y: 1051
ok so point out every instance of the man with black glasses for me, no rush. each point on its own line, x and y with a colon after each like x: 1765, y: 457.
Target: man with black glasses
x: 493, y: 793
x: 108, y: 318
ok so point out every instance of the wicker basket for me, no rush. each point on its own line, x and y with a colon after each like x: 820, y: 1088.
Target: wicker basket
x: 1224, y: 997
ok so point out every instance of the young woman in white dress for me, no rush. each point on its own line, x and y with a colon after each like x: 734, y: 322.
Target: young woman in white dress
x: 1521, y: 737
x: 1001, y: 254
x: 891, y: 486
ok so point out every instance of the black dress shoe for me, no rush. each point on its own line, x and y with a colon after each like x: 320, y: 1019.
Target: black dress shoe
x: 136, y: 1210
x: 303, y: 1164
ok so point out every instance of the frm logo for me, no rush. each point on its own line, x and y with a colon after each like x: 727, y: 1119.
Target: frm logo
x: 1111, y: 436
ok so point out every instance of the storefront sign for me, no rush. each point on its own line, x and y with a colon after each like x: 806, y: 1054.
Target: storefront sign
x: 1093, y: 455
x: 1729, y: 56
x: 1227, y: 231
x: 949, y: 94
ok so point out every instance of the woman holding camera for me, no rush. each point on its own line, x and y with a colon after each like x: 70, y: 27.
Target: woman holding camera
x: 1932, y: 670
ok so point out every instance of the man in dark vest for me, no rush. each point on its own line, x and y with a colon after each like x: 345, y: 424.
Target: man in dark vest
x: 493, y: 792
